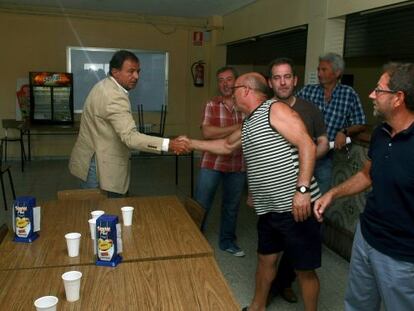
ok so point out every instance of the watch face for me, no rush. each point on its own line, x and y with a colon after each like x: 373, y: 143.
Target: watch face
x: 302, y: 189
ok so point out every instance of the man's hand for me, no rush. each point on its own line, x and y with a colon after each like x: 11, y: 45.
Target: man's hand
x: 321, y: 205
x: 340, y: 140
x: 249, y: 200
x: 179, y: 145
x: 301, y: 206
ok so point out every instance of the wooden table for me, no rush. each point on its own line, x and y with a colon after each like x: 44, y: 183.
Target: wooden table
x: 161, y: 229
x: 172, y: 284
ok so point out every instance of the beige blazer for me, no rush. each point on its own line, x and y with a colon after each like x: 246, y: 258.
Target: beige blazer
x: 108, y: 130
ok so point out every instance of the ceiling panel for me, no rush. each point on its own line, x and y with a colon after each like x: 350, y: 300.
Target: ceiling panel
x: 179, y: 8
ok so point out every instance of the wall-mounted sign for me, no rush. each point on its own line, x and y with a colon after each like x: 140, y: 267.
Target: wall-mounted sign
x: 50, y: 78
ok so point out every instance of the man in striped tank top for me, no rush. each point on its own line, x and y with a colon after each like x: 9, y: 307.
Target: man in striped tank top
x: 280, y: 157
x: 282, y: 80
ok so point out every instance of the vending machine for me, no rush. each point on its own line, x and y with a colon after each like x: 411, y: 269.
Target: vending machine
x: 51, y: 97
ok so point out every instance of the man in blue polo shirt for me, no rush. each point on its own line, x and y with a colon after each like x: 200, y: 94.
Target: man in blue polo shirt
x: 382, y: 262
x: 341, y: 109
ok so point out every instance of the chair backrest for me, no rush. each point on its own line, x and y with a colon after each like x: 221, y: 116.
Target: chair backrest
x: 13, y: 125
x: 81, y: 194
x: 195, y: 210
x: 141, y: 123
x: 3, y: 232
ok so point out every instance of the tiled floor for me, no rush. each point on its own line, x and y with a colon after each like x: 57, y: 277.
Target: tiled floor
x: 155, y: 176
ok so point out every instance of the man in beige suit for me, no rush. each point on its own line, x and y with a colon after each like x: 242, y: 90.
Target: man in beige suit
x: 100, y: 157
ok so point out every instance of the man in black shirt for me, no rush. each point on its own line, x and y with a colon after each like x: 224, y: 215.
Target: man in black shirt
x: 382, y: 262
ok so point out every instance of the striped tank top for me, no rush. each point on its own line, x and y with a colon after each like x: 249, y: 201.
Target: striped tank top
x: 272, y: 163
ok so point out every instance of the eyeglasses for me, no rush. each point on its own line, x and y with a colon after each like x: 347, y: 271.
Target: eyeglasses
x: 378, y: 90
x: 237, y: 86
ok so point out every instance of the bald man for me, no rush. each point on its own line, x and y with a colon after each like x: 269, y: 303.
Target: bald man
x: 280, y: 156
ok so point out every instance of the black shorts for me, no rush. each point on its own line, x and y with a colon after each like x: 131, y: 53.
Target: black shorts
x: 300, y: 240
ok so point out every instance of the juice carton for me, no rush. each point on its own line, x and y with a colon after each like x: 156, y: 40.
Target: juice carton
x: 26, y: 219
x: 108, y: 241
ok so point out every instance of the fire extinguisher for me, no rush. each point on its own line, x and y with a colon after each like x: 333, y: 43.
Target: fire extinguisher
x: 197, y: 71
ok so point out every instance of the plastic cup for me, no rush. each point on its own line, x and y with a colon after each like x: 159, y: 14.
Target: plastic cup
x: 127, y: 212
x: 97, y: 213
x: 71, y: 282
x: 92, y: 227
x: 46, y: 303
x: 72, y: 242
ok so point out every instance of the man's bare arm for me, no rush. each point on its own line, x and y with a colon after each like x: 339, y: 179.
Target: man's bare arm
x: 356, y: 129
x: 340, y: 138
x: 218, y: 146
x: 289, y: 124
x: 355, y: 184
x: 215, y: 132
x: 322, y: 146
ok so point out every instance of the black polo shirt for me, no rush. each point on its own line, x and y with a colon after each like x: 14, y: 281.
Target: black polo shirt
x: 387, y: 222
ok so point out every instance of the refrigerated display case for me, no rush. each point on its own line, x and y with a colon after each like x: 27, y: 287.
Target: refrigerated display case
x: 51, y: 97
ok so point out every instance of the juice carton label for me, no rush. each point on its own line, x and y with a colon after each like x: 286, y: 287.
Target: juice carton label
x: 106, y: 242
x: 106, y: 246
x: 22, y: 221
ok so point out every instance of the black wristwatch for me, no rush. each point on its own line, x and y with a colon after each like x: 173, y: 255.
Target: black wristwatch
x: 303, y: 189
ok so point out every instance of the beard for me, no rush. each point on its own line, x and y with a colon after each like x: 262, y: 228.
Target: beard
x: 378, y: 114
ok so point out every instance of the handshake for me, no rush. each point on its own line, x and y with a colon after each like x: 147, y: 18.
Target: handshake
x: 180, y: 145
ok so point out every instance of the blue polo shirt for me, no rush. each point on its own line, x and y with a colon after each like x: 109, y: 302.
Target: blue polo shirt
x: 387, y: 222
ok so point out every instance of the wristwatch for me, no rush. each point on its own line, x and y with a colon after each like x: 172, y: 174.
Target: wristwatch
x: 303, y: 189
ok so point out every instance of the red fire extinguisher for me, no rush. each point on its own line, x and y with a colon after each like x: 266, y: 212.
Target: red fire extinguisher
x: 197, y: 71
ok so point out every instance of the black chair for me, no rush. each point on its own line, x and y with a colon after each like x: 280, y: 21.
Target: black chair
x: 13, y: 133
x: 3, y: 171
x: 141, y: 123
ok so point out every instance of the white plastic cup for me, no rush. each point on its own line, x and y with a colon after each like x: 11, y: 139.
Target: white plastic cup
x: 46, y: 303
x: 71, y: 282
x: 97, y: 213
x: 72, y: 242
x: 92, y: 227
x: 127, y: 212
